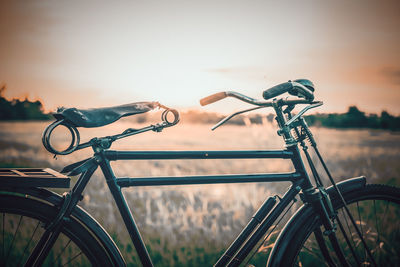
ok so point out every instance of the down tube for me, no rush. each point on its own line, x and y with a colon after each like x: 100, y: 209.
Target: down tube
x: 125, y: 213
x: 265, y: 225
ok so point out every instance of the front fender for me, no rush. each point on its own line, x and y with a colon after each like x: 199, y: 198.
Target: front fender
x: 348, y: 185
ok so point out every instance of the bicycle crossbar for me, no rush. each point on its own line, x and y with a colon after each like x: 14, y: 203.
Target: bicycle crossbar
x: 155, y: 155
x: 209, y: 179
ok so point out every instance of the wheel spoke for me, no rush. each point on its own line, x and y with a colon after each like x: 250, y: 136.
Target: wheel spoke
x: 372, y: 241
x: 3, y: 254
x: 359, y: 218
x: 348, y: 242
x: 361, y: 229
x: 29, y: 242
x: 315, y: 254
x: 12, y: 241
x: 59, y: 254
x: 384, y: 215
x: 323, y: 247
x: 376, y: 224
x: 23, y: 227
x: 72, y: 259
x: 348, y: 227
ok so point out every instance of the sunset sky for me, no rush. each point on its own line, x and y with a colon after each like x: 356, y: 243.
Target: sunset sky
x: 103, y: 53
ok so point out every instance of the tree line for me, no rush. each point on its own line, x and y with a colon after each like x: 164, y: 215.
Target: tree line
x: 354, y: 118
x: 16, y: 109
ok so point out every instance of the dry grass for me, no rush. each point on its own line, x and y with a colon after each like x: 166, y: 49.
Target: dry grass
x: 180, y: 220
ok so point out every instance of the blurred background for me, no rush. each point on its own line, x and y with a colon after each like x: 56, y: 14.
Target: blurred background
x: 89, y: 54
x: 85, y: 53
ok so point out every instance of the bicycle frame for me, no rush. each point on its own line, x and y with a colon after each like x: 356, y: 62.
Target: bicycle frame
x: 263, y: 218
x: 294, y: 130
x: 261, y: 221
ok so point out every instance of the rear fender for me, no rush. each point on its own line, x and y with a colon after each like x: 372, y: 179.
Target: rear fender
x: 80, y: 214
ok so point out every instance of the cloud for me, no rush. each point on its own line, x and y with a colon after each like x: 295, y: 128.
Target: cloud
x: 392, y: 74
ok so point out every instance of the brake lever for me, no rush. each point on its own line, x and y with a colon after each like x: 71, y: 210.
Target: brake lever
x: 233, y: 115
x: 304, y: 110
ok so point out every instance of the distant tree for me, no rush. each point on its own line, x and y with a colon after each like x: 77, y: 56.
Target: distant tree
x: 20, y: 110
x: 388, y: 121
x: 354, y: 118
x: 5, y: 106
x: 373, y: 121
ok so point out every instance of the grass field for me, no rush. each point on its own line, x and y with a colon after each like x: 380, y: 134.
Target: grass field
x: 191, y: 225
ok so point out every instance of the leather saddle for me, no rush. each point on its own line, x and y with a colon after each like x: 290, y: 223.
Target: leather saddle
x: 96, y: 117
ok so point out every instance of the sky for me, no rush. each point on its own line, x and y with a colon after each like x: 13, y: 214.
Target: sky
x: 102, y: 53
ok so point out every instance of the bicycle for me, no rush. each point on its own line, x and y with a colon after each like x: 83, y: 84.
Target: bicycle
x: 336, y: 225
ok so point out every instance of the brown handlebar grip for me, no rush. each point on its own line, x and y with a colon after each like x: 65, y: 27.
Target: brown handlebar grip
x: 212, y: 98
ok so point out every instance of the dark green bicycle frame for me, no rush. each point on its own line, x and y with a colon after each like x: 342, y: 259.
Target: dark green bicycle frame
x: 316, y: 197
x: 263, y: 218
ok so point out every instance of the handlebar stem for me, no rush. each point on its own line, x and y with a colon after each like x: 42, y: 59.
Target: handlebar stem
x: 283, y: 129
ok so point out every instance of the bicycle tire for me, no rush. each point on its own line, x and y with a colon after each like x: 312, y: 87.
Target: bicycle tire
x: 22, y: 221
x: 297, y: 246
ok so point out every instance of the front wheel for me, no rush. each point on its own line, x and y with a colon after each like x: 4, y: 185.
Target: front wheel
x: 376, y: 210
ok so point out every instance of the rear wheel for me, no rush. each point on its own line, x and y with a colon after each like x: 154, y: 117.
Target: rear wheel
x: 376, y: 210
x: 22, y: 223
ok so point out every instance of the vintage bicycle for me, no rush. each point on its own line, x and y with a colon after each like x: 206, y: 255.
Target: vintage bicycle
x: 350, y: 223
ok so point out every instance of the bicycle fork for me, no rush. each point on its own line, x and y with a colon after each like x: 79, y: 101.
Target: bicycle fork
x: 321, y: 203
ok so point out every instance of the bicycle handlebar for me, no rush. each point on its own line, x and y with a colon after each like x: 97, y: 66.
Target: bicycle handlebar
x: 277, y: 90
x: 283, y: 102
x: 293, y: 88
x: 212, y: 98
x: 221, y: 95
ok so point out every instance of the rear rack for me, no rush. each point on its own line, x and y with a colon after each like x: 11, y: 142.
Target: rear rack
x: 33, y: 177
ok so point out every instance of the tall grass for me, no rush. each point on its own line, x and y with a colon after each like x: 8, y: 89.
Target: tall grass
x: 192, y: 225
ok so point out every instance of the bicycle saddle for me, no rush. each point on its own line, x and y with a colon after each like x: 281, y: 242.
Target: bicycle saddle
x: 97, y: 117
